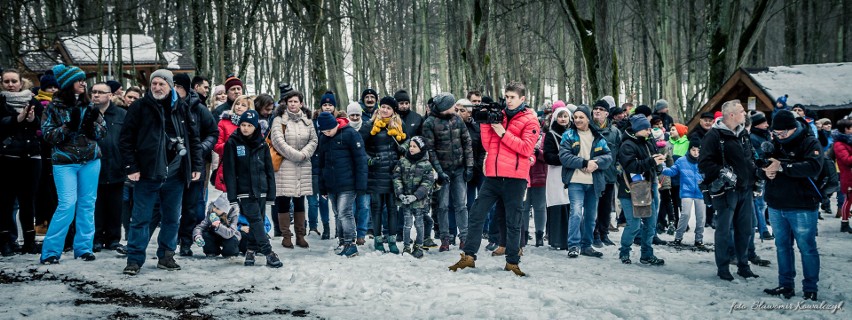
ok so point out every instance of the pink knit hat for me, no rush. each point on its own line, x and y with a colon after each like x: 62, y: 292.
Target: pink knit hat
x: 558, y: 104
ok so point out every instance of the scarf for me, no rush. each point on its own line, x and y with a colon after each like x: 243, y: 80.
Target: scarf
x: 842, y: 137
x: 393, y: 131
x: 356, y: 125
x: 413, y: 158
x: 17, y: 100
x: 235, y: 119
x: 796, y: 134
x: 511, y: 113
x: 690, y: 158
x: 44, y: 96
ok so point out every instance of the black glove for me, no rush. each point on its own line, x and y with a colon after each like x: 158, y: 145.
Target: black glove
x: 443, y: 178
x: 468, y: 174
x: 87, y: 127
x: 73, y: 123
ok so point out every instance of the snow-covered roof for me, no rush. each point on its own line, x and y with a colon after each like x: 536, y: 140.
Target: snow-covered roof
x: 816, y: 86
x: 83, y: 50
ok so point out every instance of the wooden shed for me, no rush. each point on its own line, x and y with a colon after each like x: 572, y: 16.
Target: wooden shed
x: 824, y: 88
x: 93, y: 53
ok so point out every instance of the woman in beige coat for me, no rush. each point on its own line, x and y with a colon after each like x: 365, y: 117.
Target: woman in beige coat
x: 293, y: 136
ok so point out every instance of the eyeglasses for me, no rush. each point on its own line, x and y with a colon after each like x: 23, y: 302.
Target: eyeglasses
x: 782, y: 133
x: 600, y: 109
x: 100, y: 92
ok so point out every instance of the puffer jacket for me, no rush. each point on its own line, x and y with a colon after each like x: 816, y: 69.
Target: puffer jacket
x: 686, y: 168
x: 297, y: 144
x: 797, y: 187
x: 612, y: 136
x: 247, y: 168
x: 538, y: 171
x: 383, y: 152
x: 208, y: 133
x: 226, y: 231
x: 843, y: 153
x: 416, y: 179
x: 226, y: 127
x: 20, y: 139
x: 450, y: 142
x: 476, y: 144
x: 508, y: 156
x: 635, y: 157
x: 569, y: 155
x: 70, y: 146
x: 112, y: 170
x: 342, y: 161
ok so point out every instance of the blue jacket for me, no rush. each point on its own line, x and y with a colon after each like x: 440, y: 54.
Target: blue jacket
x: 243, y: 221
x: 689, y: 177
x: 569, y: 150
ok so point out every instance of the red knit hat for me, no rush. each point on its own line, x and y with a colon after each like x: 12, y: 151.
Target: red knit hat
x: 233, y: 81
x: 681, y: 129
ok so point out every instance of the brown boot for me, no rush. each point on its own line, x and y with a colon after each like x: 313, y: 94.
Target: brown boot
x: 287, y: 236
x: 465, y: 262
x: 515, y: 269
x: 301, y: 232
x: 500, y: 251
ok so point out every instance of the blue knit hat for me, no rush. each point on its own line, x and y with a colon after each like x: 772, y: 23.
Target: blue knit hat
x: 48, y: 80
x: 639, y: 122
x: 328, y: 97
x: 251, y: 117
x: 326, y: 121
x: 67, y: 75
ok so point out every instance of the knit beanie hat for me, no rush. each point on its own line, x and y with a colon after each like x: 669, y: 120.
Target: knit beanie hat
x: 113, y: 85
x: 614, y: 111
x: 222, y: 203
x: 328, y: 97
x: 353, y: 108
x: 639, y: 122
x: 443, y: 102
x: 67, y: 75
x: 419, y: 141
x: 369, y: 91
x: 48, y: 80
x: 681, y: 129
x: 251, y: 117
x: 783, y: 101
x: 643, y: 110
x: 401, y: 96
x: 694, y: 143
x: 558, y: 104
x: 182, y: 79
x: 758, y: 118
x: 584, y: 110
x: 326, y: 121
x: 165, y: 75
x: 390, y: 101
x: 610, y: 101
x: 218, y: 89
x: 824, y: 121
x: 784, y: 120
x: 660, y: 105
x: 231, y: 81
x: 601, y: 104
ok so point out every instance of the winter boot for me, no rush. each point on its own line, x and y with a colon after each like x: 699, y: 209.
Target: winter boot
x: 417, y: 252
x: 515, y: 269
x: 287, y: 236
x: 406, y: 249
x: 360, y: 241
x: 500, y: 251
x: 766, y: 236
x: 445, y: 245
x: 185, y: 250
x: 350, y: 250
x: 785, y: 291
x: 249, y: 258
x: 29, y: 246
x: 168, y: 262
x: 606, y: 241
x: 6, y: 246
x: 844, y: 227
x: 539, y: 238
x: 392, y: 244
x: 378, y: 244
x: 272, y: 260
x: 429, y: 243
x: 299, y: 225
x: 466, y: 261
x: 491, y: 246
x: 325, y: 231
x: 746, y: 273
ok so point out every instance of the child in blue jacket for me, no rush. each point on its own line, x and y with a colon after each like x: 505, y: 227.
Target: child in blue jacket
x: 687, y: 168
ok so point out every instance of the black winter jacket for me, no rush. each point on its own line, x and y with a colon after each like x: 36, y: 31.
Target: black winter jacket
x: 342, y: 162
x: 226, y: 106
x: 552, y: 139
x: 412, y: 123
x: 112, y: 170
x: 20, y: 139
x: 383, y: 152
x: 797, y: 186
x: 144, y: 141
x: 247, y: 167
x: 205, y: 125
x: 476, y: 144
x: 450, y: 142
x: 635, y: 156
x: 738, y: 154
x: 613, y: 140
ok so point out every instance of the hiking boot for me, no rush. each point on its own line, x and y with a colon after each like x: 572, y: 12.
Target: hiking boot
x: 360, y: 241
x: 249, y: 258
x: 671, y: 229
x: 725, y: 275
x: 658, y: 241
x: 539, y: 238
x: 392, y: 245
x: 466, y: 261
x: 131, y: 269
x: 121, y: 249
x: 445, y: 245
x: 598, y: 243
x: 185, y: 251
x: 272, y: 260
x: 654, y: 261
x: 491, y: 246
x: 417, y: 252
x: 612, y: 228
x: 746, y: 273
x: 314, y: 230
x: 50, y: 260
x: 406, y: 249
x: 326, y: 231
x: 573, y: 252
x: 782, y: 291
x: 766, y: 236
x: 844, y: 227
x: 500, y: 251
x: 88, y: 256
x: 699, y: 244
x: 515, y: 269
x: 606, y: 241
x: 167, y: 262
x: 810, y: 296
x: 429, y: 243
x: 350, y: 250
x: 589, y: 252
x: 756, y: 260
x: 677, y: 242
x: 625, y: 259
x: 379, y: 244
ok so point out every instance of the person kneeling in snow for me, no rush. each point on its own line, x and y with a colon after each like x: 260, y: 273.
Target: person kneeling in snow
x: 413, y: 179
x: 218, y: 233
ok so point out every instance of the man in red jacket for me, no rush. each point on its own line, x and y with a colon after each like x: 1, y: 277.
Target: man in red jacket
x: 509, y: 146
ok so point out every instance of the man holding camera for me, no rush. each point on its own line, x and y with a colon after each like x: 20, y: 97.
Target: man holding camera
x: 509, y: 145
x: 727, y: 161
x: 162, y: 155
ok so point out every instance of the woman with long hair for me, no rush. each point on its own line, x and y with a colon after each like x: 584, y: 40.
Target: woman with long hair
x: 227, y: 125
x: 383, y: 152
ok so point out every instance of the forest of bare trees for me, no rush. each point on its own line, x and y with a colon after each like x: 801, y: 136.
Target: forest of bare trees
x: 578, y: 51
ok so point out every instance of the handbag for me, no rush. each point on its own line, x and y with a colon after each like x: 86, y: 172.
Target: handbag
x: 555, y: 192
x: 641, y: 195
x: 277, y: 158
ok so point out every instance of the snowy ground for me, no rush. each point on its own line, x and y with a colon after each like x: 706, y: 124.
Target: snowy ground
x: 317, y: 284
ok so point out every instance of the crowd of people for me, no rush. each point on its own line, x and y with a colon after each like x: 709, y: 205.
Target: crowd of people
x: 110, y: 159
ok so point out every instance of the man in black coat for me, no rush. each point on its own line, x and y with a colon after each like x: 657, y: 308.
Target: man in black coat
x: 162, y: 154
x: 108, y: 206
x: 412, y: 120
x: 727, y: 161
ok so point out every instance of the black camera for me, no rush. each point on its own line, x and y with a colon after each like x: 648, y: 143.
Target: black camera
x: 489, y: 113
x: 176, y: 146
x: 727, y: 180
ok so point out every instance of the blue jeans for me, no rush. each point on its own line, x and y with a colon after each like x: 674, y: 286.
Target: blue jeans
x: 799, y: 226
x: 317, y: 204
x: 458, y: 188
x: 584, y: 209
x: 77, y: 189
x: 361, y: 208
x: 759, y: 211
x: 343, y: 204
x: 146, y: 193
x: 647, y: 225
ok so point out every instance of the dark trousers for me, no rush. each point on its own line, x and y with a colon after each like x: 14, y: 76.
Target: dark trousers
x: 511, y: 191
x: 380, y: 217
x: 108, y: 211
x: 604, y: 211
x: 192, y: 212
x: 126, y: 207
x: 215, y: 245
x: 257, y: 238
x: 21, y: 176
x: 557, y: 226
x: 46, y: 200
x: 497, y: 224
x: 734, y: 210
x: 665, y: 213
x: 675, y: 194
